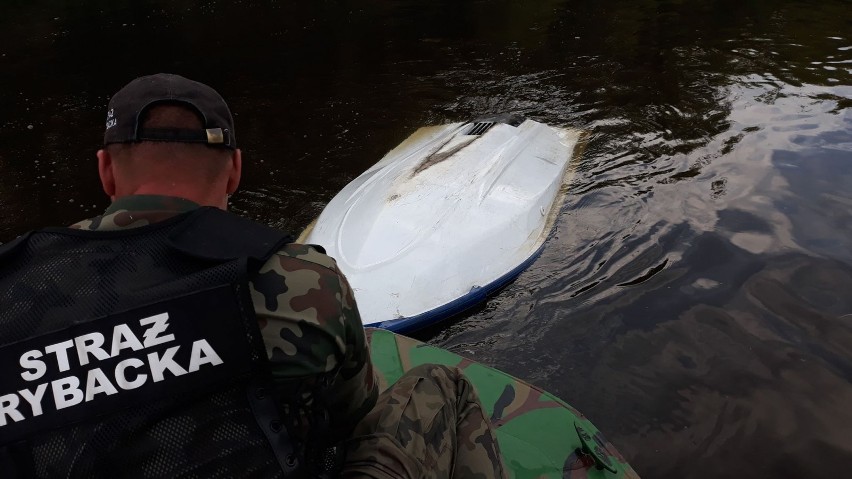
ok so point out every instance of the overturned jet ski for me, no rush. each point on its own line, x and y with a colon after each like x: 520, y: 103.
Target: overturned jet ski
x: 446, y: 218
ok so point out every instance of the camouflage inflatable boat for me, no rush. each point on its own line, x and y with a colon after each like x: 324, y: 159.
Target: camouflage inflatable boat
x: 540, y: 436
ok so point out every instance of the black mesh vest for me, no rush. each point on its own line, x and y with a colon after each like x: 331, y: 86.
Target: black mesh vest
x: 136, y: 353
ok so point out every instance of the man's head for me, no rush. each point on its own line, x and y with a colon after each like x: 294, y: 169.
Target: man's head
x: 167, y: 135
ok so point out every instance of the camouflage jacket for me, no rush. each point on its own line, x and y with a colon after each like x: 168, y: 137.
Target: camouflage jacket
x: 305, y: 309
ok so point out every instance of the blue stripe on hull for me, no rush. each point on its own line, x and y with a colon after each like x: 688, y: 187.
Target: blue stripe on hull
x: 476, y: 295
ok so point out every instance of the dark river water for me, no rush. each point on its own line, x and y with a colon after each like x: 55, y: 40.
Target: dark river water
x: 695, y: 300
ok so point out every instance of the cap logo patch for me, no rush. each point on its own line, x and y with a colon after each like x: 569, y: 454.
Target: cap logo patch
x: 111, y: 121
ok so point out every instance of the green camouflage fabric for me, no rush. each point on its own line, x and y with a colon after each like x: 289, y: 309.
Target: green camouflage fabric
x: 539, y: 435
x: 428, y: 424
x: 306, y: 312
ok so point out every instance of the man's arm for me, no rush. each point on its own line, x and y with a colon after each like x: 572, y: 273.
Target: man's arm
x: 311, y: 327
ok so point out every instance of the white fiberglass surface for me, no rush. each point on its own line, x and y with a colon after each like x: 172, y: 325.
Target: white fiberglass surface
x: 443, y: 213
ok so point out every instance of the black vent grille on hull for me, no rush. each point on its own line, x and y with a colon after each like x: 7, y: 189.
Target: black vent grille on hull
x: 480, y: 127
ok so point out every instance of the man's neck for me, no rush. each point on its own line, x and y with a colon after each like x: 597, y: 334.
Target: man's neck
x: 151, y: 203
x: 137, y: 210
x: 209, y: 195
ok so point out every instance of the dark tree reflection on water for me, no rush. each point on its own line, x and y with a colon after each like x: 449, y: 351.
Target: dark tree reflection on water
x: 693, y: 301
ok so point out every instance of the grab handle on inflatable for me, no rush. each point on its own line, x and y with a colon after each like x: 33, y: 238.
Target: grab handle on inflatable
x: 594, y: 448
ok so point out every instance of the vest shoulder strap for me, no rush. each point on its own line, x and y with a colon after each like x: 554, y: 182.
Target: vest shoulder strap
x: 12, y: 246
x: 212, y: 234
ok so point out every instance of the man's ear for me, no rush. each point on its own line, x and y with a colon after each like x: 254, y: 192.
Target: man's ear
x: 236, y: 171
x: 105, y: 170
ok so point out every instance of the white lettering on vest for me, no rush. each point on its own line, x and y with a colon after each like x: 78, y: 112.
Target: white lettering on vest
x: 29, y: 361
x: 122, y: 338
x: 90, y: 344
x: 66, y: 392
x: 202, y: 353
x: 61, y: 351
x: 9, y: 406
x: 159, y: 323
x: 97, y: 347
x: 160, y: 364
x: 97, y: 383
x: 121, y: 377
x: 34, y: 399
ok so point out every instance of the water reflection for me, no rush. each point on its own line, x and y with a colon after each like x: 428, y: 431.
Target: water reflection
x: 724, y: 193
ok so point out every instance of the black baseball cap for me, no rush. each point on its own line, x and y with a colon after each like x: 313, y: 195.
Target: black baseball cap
x: 126, y: 109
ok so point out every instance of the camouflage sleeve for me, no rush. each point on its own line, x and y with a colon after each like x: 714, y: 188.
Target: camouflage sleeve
x: 311, y: 326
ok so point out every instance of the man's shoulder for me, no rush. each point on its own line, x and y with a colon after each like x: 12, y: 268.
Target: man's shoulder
x: 300, y: 282
x: 306, y: 252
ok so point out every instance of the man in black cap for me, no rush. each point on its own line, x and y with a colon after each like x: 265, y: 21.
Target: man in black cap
x: 168, y: 337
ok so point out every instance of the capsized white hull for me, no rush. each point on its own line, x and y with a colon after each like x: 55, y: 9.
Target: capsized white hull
x: 448, y: 216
